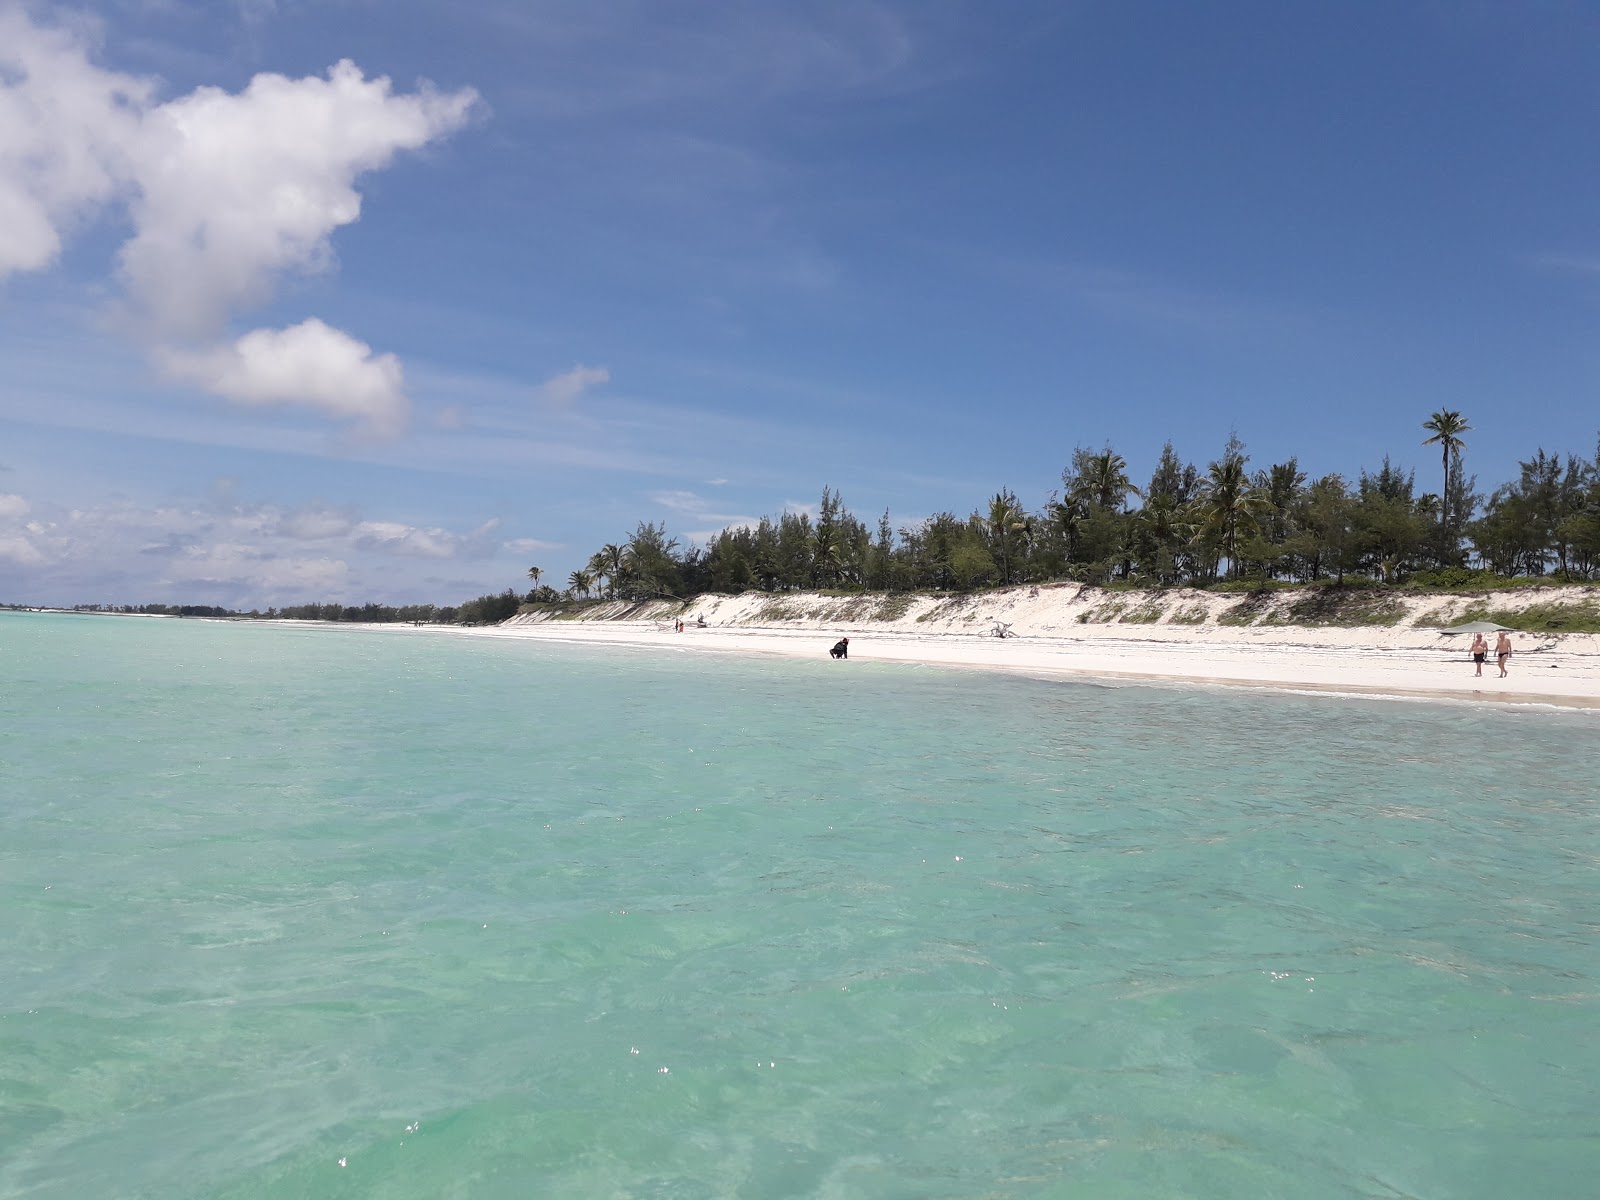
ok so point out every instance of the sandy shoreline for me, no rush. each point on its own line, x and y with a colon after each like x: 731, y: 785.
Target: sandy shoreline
x: 1541, y: 672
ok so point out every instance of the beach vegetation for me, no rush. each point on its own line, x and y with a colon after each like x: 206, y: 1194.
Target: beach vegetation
x: 1340, y: 605
x: 1554, y: 616
x: 893, y: 607
x: 946, y: 609
x: 1105, y: 612
x: 778, y: 610
x: 490, y: 610
x: 1145, y: 614
x: 1225, y: 524
x: 1224, y: 527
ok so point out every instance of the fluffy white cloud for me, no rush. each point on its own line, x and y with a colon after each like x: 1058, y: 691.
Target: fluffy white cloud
x: 225, y: 192
x: 396, y: 538
x: 564, y: 389
x: 311, y: 364
x: 233, y: 190
x: 64, y: 128
x: 12, y: 507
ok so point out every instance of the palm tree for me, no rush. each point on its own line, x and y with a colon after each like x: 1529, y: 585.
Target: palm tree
x: 608, y: 563
x: 1103, y: 480
x: 533, y: 575
x: 1160, y: 528
x: 1229, y: 505
x: 580, y: 581
x: 1006, y: 519
x: 1447, y: 425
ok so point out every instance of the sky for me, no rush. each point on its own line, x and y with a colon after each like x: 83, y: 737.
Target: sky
x: 390, y: 300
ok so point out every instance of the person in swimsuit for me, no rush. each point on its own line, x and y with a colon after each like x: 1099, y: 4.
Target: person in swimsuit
x: 1480, y: 651
x: 1502, y: 651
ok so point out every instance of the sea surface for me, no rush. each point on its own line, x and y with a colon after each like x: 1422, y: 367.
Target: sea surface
x: 308, y: 912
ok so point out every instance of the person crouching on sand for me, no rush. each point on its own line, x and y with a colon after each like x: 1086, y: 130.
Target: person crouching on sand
x: 841, y: 648
x: 1480, y: 651
x: 1502, y: 651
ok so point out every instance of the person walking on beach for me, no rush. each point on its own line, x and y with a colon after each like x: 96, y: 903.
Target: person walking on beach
x: 841, y: 648
x: 1480, y: 651
x: 1502, y: 651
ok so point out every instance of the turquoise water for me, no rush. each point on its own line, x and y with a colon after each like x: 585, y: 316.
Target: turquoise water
x: 501, y: 919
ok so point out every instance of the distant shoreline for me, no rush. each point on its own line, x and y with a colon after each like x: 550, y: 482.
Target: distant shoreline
x: 1559, y: 678
x: 1071, y: 632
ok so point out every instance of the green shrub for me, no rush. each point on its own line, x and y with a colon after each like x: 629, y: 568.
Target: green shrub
x: 1102, y: 614
x: 1552, y: 617
x: 1146, y: 614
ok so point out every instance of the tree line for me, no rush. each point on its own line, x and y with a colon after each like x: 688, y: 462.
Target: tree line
x: 484, y: 609
x: 1186, y: 525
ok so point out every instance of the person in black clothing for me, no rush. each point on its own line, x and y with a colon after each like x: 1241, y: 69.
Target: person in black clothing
x: 841, y: 648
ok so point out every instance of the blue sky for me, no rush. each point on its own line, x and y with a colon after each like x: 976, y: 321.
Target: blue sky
x: 275, y: 330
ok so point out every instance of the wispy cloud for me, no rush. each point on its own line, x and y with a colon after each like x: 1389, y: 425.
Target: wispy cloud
x: 1566, y: 264
x: 566, y: 389
x: 230, y: 553
x: 587, y: 58
x: 697, y: 508
x: 1135, y: 297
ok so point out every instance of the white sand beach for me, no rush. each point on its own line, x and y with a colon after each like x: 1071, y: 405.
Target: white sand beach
x: 1073, y: 631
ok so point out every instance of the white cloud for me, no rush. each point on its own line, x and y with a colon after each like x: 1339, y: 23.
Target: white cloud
x: 566, y: 388
x: 236, y: 566
x: 64, y: 127
x: 529, y: 545
x: 684, y: 502
x: 12, y: 507
x: 239, y: 554
x: 312, y: 365
x: 20, y: 551
x: 396, y: 538
x: 315, y: 524
x: 226, y: 192
x: 694, y: 507
x: 234, y: 190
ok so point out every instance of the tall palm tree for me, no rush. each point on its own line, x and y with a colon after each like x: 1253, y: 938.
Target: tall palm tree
x: 1447, y: 425
x: 580, y: 581
x: 1104, y: 480
x: 1006, y: 520
x: 1228, y: 506
x: 612, y: 560
x: 533, y: 575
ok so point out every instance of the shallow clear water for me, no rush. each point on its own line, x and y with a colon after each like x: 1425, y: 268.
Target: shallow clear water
x: 506, y: 919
